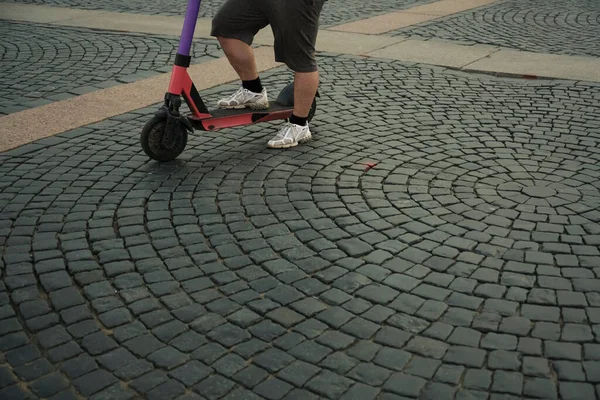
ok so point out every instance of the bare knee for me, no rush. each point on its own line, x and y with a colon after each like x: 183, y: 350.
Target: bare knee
x: 225, y: 41
x: 234, y: 45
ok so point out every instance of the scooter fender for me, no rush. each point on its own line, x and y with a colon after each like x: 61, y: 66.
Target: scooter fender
x: 286, y: 96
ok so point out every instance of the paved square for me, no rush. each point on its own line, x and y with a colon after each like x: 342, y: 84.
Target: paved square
x: 438, y: 239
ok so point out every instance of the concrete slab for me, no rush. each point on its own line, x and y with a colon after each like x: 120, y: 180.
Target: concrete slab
x: 151, y: 24
x: 339, y: 42
x: 114, y: 21
x: 170, y: 25
x: 42, y: 14
x: 108, y: 20
x: 383, y: 23
x: 44, y: 121
x: 448, y: 7
x: 514, y: 62
x: 434, y: 52
x: 329, y: 41
x: 388, y: 22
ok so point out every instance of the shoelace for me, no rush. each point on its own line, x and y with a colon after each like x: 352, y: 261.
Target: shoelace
x: 237, y: 94
x: 285, y: 131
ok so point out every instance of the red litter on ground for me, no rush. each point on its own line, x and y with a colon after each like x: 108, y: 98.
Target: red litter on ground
x: 369, y: 165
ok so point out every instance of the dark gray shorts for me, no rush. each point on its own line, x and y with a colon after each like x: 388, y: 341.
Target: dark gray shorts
x: 295, y: 24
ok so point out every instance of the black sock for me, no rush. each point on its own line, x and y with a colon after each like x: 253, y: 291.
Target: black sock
x: 298, y: 120
x: 253, y: 86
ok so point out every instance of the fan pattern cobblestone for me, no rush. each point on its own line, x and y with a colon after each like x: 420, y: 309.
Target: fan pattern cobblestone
x: 438, y: 239
x: 541, y: 26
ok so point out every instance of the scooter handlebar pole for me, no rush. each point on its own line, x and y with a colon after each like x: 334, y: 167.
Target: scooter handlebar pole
x: 189, y: 26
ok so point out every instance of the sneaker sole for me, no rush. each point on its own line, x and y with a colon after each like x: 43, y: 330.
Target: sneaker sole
x: 252, y: 106
x: 305, y: 139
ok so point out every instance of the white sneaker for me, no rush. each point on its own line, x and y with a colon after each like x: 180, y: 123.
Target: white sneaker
x: 290, y: 135
x: 244, y: 98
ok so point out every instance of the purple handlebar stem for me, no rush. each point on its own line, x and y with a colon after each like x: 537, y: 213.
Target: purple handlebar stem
x: 189, y: 26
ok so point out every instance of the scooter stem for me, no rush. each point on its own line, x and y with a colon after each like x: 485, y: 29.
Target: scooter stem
x: 189, y: 26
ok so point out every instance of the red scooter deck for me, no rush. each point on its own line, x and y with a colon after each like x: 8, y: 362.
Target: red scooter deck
x: 228, y: 118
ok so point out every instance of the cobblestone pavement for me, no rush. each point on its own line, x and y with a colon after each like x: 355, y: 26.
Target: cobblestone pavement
x: 334, y: 12
x: 41, y: 63
x: 438, y: 239
x: 543, y: 26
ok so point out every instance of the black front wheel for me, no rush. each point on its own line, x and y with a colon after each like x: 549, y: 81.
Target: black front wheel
x: 153, y: 143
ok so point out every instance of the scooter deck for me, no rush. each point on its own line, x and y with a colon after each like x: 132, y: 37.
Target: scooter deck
x: 228, y: 118
x: 221, y: 112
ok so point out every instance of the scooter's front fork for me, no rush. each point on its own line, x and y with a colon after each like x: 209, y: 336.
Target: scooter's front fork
x: 175, y: 121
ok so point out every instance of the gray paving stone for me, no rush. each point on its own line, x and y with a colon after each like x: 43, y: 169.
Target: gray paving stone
x: 515, y: 325
x: 339, y: 362
x: 508, y: 382
x: 369, y: 374
x: 329, y: 384
x: 273, y: 360
x: 94, y: 382
x: 427, y: 347
x: 391, y: 336
x: 34, y: 370
x: 540, y: 388
x: 477, y: 379
x: 310, y: 351
x: 250, y: 376
x: 298, y: 372
x: 466, y: 356
x: 215, y: 387
x: 577, y: 333
x: 540, y: 313
x: 229, y: 364
x: 448, y: 373
x: 592, y: 371
x: 564, y: 351
x: 361, y: 391
x: 505, y: 360
x: 273, y: 388
x: 569, y: 370
x: 576, y: 390
x: 298, y: 394
x: 334, y: 316
x: 49, y: 385
x: 546, y: 330
x: 405, y: 385
x: 423, y: 367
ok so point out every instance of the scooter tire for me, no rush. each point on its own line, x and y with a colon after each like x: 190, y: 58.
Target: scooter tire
x: 313, y: 110
x: 151, y: 140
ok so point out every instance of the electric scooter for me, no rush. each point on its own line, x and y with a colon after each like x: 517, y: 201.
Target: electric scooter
x: 165, y: 136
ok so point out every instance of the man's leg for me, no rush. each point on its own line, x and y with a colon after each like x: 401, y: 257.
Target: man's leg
x: 305, y: 89
x: 295, y: 26
x: 240, y: 56
x: 234, y: 26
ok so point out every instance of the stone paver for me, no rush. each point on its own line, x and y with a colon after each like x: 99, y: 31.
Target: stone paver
x: 543, y: 26
x: 41, y: 64
x: 334, y: 11
x: 438, y: 239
